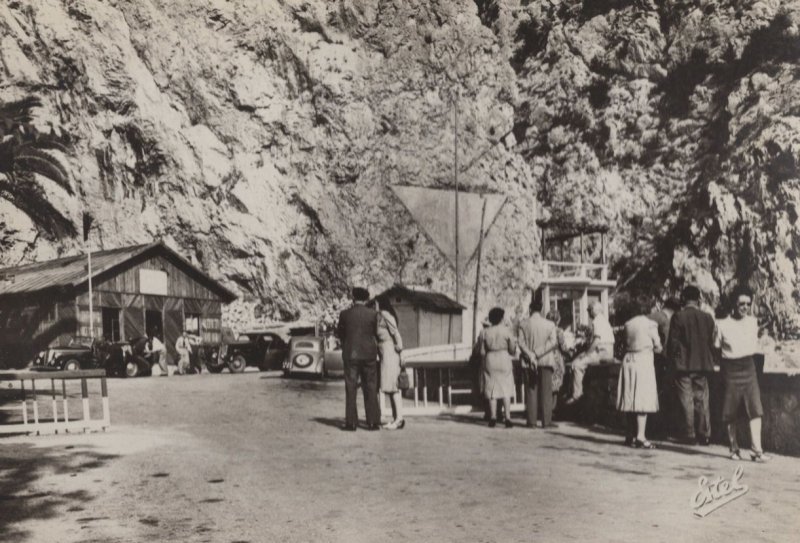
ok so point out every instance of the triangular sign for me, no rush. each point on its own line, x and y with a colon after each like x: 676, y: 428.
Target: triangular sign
x: 435, y: 209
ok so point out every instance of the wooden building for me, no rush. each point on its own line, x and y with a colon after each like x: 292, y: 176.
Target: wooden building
x: 134, y: 290
x: 425, y: 318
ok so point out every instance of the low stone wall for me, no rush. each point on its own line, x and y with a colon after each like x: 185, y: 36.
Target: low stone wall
x: 780, y: 396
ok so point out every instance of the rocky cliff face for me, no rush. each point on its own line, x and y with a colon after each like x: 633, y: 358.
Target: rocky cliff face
x: 677, y: 123
x: 260, y: 138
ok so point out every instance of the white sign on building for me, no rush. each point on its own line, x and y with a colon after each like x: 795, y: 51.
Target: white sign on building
x: 153, y: 282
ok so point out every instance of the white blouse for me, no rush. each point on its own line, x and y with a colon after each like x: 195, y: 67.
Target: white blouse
x: 737, y: 338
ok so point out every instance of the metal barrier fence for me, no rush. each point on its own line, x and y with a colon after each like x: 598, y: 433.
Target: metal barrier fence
x: 436, y: 387
x: 36, y: 402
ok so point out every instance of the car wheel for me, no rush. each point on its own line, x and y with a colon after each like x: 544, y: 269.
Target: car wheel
x: 131, y: 369
x: 237, y: 364
x: 72, y: 365
x: 215, y: 369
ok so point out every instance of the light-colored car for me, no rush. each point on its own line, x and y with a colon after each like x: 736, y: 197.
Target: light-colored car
x: 308, y: 355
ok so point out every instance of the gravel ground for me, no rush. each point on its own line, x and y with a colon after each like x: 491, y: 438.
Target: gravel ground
x: 257, y: 458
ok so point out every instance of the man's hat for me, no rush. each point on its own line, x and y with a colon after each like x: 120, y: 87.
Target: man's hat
x: 360, y: 294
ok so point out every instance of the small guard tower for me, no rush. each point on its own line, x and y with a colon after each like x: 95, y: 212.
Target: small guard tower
x: 567, y: 286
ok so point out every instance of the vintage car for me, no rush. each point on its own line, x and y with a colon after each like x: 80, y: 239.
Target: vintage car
x: 313, y: 355
x: 265, y: 350
x: 70, y: 358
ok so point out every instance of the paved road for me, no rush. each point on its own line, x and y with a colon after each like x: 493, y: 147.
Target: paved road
x: 257, y: 458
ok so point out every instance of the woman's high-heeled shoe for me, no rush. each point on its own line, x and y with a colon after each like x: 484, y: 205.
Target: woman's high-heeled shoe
x: 735, y: 455
x: 643, y: 444
x: 401, y: 424
x: 758, y: 456
x: 492, y: 423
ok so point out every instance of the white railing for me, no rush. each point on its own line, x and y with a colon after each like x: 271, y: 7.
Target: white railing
x: 556, y: 270
x: 434, y: 392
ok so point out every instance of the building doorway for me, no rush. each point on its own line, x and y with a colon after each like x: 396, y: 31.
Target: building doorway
x: 153, y: 322
x: 111, y: 330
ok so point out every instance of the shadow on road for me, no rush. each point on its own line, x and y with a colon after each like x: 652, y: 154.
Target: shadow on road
x: 334, y: 423
x: 476, y: 420
x: 661, y: 446
x: 22, y: 465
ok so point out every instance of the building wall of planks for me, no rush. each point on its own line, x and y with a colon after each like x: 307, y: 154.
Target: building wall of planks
x: 30, y: 325
x: 421, y: 327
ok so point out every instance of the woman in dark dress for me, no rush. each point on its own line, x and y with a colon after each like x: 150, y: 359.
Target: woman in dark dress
x: 737, y: 339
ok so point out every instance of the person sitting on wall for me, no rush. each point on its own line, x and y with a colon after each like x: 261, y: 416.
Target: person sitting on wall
x: 600, y: 351
x: 155, y: 352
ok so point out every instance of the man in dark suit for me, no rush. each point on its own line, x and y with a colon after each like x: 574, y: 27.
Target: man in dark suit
x: 357, y: 330
x: 690, y: 349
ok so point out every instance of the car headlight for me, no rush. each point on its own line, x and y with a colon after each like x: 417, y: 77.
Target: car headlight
x: 303, y: 360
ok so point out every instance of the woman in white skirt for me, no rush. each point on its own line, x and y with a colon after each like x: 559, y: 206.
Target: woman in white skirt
x: 637, y: 394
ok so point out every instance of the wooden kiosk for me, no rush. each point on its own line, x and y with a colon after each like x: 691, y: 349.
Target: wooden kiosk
x: 567, y: 286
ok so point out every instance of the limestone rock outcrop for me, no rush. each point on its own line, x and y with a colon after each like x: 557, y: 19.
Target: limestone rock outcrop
x: 260, y: 138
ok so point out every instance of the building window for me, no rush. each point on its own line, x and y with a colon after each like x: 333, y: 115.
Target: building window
x: 210, y: 328
x: 111, y: 324
x: 191, y: 324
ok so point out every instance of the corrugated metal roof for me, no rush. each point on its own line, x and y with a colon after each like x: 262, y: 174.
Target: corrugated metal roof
x: 426, y: 299
x: 71, y: 271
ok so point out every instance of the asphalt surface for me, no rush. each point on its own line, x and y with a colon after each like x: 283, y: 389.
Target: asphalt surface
x: 258, y: 458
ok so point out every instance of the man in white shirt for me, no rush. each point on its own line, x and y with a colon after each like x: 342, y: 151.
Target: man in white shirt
x: 155, y: 351
x: 601, y: 350
x: 184, y: 348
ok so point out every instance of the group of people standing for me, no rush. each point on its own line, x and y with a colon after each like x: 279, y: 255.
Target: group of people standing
x: 371, y: 345
x: 542, y: 345
x: 688, y: 341
x: 696, y: 342
x: 693, y: 344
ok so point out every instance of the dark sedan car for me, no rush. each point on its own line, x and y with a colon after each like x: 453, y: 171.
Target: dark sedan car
x: 265, y: 350
x: 70, y: 358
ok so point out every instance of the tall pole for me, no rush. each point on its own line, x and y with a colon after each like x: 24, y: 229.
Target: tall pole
x: 455, y: 175
x: 478, y: 277
x: 91, y: 304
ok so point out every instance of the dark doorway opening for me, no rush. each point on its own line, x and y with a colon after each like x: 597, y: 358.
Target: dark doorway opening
x: 111, y: 324
x: 153, y: 323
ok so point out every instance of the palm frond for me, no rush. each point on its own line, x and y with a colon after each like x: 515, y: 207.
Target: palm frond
x: 37, y: 161
x: 27, y: 196
x: 18, y: 112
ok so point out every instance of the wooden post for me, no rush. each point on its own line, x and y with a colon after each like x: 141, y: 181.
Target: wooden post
x: 416, y: 387
x: 603, y: 247
x: 24, y: 403
x: 455, y: 177
x: 478, y: 276
x: 106, y: 410
x: 440, y: 388
x: 544, y: 244
x: 35, y: 406
x: 424, y: 387
x: 55, y: 405
x: 66, y: 405
x: 449, y: 388
x: 85, y: 397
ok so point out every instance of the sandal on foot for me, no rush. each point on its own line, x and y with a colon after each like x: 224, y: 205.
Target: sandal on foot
x: 735, y: 455
x: 643, y: 444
